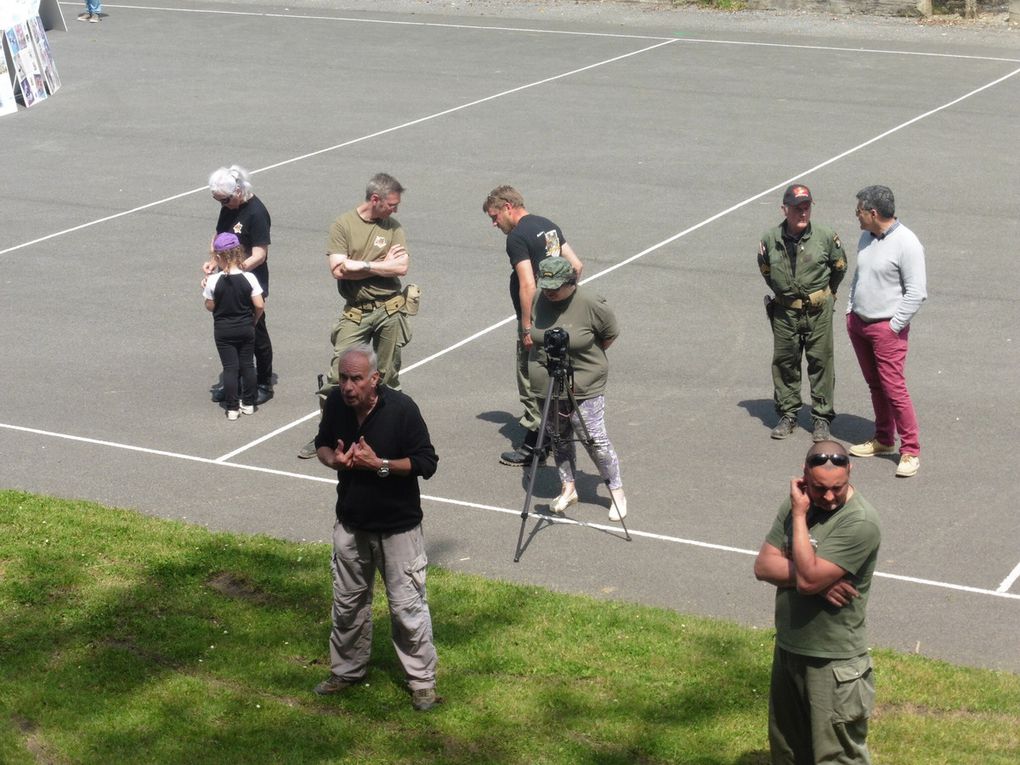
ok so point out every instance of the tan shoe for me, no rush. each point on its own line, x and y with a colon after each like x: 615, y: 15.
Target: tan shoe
x: 871, y: 448
x: 909, y: 464
x: 565, y: 500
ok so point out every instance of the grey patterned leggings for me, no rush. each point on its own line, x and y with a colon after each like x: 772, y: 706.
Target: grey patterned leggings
x: 601, y: 451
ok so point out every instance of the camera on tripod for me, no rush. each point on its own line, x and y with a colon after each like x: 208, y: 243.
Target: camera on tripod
x: 555, y: 344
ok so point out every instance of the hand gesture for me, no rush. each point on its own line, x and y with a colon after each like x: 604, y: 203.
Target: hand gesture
x: 341, y: 458
x: 363, y: 455
x: 800, y: 502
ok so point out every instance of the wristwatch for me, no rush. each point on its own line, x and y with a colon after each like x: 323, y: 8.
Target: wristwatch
x: 384, y: 469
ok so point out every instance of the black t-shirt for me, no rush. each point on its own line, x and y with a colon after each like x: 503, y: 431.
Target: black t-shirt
x: 250, y: 222
x: 394, y: 429
x: 233, y: 310
x: 534, y: 238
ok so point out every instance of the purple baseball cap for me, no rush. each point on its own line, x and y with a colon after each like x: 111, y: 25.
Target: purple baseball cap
x: 225, y: 241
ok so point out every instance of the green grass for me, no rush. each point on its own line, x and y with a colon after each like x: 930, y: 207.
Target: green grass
x: 125, y: 639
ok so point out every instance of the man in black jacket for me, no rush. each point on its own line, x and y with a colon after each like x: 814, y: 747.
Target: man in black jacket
x: 376, y: 440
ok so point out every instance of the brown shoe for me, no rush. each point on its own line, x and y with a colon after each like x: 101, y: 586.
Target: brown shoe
x: 334, y: 684
x: 785, y: 427
x: 424, y: 699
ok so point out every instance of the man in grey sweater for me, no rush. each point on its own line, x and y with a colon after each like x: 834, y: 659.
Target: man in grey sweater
x: 887, y: 290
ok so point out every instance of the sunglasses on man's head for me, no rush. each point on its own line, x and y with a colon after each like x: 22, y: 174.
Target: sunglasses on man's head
x: 817, y: 460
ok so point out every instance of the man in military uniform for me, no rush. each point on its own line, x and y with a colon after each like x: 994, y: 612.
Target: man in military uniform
x: 367, y: 255
x: 803, y: 263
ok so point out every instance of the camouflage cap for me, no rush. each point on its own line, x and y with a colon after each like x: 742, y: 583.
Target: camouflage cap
x: 554, y: 272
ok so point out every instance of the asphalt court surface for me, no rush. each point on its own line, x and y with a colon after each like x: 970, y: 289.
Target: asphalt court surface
x: 661, y: 148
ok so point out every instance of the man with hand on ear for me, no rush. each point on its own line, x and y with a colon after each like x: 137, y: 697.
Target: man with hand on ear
x: 820, y: 554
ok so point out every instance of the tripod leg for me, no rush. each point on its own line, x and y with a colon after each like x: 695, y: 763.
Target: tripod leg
x: 534, y: 465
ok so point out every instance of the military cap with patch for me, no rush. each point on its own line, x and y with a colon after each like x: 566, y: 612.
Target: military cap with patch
x: 797, y: 194
x: 554, y: 272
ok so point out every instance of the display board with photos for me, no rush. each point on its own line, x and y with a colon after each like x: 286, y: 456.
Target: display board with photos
x: 27, y: 66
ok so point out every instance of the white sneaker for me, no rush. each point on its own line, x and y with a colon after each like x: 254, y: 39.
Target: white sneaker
x: 247, y: 409
x: 619, y: 509
x: 233, y: 414
x: 909, y: 465
x: 565, y: 500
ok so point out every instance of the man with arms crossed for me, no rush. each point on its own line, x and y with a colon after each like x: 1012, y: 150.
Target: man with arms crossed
x: 367, y: 255
x: 888, y: 288
x: 820, y: 554
x: 530, y: 239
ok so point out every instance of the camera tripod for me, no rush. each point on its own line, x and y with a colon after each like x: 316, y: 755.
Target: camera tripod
x: 559, y: 392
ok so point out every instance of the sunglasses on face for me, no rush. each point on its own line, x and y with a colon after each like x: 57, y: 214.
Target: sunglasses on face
x: 222, y: 200
x: 817, y: 460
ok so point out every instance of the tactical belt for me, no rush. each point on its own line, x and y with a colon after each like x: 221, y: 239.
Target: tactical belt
x: 812, y: 302
x: 392, y: 304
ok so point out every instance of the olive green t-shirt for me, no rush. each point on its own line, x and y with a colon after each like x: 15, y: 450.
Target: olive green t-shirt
x: 807, y: 624
x: 590, y: 322
x: 358, y: 239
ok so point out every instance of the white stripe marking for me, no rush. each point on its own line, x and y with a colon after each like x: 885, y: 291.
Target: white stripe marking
x: 1007, y: 584
x: 477, y: 506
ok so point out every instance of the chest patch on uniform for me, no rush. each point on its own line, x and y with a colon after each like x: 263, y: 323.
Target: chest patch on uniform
x: 237, y: 227
x: 380, y: 242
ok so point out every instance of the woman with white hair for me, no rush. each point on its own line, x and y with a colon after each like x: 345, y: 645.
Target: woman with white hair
x: 243, y: 214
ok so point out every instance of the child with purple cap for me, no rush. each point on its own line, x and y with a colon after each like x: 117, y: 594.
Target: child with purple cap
x: 235, y: 299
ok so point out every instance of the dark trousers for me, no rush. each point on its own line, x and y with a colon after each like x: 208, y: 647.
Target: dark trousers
x: 236, y: 348
x: 263, y: 353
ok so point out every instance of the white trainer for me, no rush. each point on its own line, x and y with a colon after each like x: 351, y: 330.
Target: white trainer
x: 619, y: 509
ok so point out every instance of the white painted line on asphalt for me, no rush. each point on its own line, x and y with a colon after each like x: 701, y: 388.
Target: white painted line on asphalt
x: 353, y: 141
x: 487, y: 508
x: 564, y: 32
x: 162, y: 453
x: 1007, y: 584
x: 266, y: 437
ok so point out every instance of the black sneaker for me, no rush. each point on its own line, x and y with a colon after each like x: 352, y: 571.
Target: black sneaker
x: 821, y: 431
x: 785, y: 427
x: 265, y: 393
x: 518, y: 457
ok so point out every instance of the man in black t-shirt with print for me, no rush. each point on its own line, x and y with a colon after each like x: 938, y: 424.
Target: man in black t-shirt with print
x: 530, y: 239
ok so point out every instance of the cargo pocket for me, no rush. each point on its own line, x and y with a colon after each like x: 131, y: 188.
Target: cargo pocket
x: 854, y: 690
x: 415, y: 571
x: 412, y: 299
x: 405, y: 330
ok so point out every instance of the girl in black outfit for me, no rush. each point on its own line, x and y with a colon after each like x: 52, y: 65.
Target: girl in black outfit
x: 235, y: 299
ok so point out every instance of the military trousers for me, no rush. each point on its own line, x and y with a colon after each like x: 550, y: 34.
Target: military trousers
x: 819, y: 709
x: 386, y: 333
x: 797, y: 335
x: 400, y: 559
x: 532, y: 416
